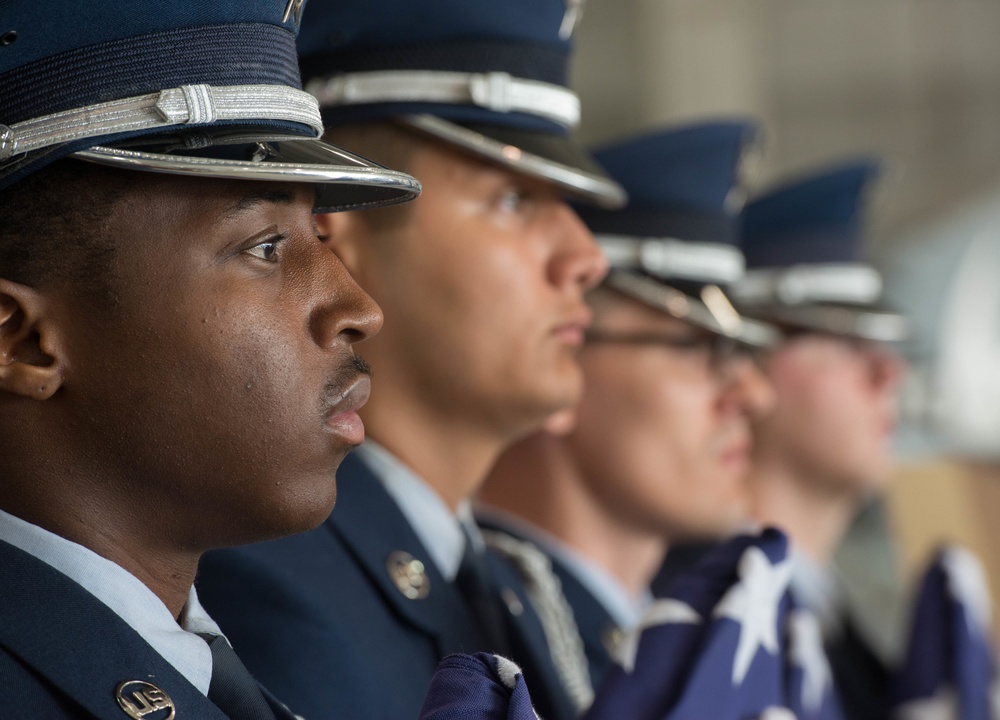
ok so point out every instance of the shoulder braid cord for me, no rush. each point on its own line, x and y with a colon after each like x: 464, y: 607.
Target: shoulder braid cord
x: 554, y: 612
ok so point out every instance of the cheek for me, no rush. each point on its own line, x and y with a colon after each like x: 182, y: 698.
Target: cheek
x: 231, y: 377
x: 814, y: 404
x: 640, y: 414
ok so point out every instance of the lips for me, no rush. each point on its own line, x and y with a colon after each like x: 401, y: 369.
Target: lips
x: 738, y: 455
x: 341, y: 417
x: 573, y: 329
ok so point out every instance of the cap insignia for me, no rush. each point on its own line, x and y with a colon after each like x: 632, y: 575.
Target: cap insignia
x: 574, y: 12
x: 293, y: 11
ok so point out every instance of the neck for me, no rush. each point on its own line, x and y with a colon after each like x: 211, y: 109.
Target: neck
x: 451, y: 454
x: 537, y: 480
x: 99, y: 525
x: 83, y: 508
x: 813, y: 514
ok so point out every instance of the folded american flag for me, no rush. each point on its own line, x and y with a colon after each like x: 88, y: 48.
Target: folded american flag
x: 713, y: 646
x: 949, y: 671
x: 727, y: 643
x: 477, y: 687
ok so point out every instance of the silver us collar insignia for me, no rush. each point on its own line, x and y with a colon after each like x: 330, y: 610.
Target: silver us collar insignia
x: 144, y: 701
x: 574, y: 12
x: 293, y: 10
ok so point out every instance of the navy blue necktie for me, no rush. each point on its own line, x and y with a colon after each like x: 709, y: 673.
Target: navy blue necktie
x: 233, y: 689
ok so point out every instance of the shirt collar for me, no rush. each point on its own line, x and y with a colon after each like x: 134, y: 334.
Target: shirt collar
x: 438, y: 528
x: 819, y: 589
x: 126, y: 596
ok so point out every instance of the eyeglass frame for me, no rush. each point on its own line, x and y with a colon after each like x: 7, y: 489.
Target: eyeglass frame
x: 723, y: 350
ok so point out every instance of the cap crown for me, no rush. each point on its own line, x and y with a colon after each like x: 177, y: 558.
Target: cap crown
x: 816, y: 220
x: 681, y: 183
x: 111, y: 70
x: 524, y: 39
x: 208, y: 88
x: 105, y: 50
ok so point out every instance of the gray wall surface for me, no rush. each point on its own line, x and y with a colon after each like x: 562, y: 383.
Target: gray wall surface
x: 916, y: 82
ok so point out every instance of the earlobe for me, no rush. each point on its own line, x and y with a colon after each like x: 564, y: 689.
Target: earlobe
x: 29, y: 357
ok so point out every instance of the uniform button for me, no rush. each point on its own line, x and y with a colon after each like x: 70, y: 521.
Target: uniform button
x: 512, y: 601
x: 408, y: 575
x: 612, y: 637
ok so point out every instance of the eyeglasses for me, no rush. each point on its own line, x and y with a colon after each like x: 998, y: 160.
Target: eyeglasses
x: 720, y: 352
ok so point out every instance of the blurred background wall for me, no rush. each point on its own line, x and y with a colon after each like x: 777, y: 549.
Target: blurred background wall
x: 916, y: 82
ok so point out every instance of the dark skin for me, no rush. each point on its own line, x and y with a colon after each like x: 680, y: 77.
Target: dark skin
x: 211, y: 406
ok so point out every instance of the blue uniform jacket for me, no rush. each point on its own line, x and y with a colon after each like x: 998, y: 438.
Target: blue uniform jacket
x: 598, y: 629
x: 317, y: 618
x: 63, y: 653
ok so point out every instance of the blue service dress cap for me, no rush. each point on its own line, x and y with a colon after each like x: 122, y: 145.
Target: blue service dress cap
x: 488, y: 77
x: 804, y: 243
x: 198, y: 87
x: 675, y: 246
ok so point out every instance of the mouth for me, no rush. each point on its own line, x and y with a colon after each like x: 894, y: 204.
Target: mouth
x: 341, y: 416
x: 573, y: 329
x: 737, y: 456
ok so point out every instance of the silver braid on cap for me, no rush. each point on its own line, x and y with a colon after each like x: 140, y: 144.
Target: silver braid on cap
x: 554, y: 612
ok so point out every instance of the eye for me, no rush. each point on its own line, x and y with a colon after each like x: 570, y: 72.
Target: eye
x: 320, y: 235
x: 512, y: 200
x: 268, y: 250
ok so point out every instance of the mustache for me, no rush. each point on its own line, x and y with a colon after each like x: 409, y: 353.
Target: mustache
x: 343, y: 378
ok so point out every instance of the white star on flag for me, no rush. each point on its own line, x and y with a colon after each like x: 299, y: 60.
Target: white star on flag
x: 776, y: 713
x: 967, y: 585
x: 806, y: 651
x: 943, y: 706
x: 661, y: 612
x: 753, y: 603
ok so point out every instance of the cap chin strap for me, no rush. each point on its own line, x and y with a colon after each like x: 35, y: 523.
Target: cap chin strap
x: 854, y: 283
x: 882, y: 326
x: 670, y: 258
x: 590, y: 187
x: 497, y: 91
x: 188, y: 105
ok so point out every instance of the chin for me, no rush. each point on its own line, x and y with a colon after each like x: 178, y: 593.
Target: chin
x: 555, y: 392
x: 305, y: 509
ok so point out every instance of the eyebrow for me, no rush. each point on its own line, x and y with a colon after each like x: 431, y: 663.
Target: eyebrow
x: 255, y: 199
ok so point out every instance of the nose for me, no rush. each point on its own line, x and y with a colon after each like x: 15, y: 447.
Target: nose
x: 749, y: 391
x: 887, y: 367
x: 345, y: 314
x: 578, y: 260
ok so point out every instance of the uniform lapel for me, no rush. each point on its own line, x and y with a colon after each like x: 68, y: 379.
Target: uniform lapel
x: 529, y: 646
x: 372, y: 526
x: 280, y: 710
x: 598, y: 629
x: 76, y: 642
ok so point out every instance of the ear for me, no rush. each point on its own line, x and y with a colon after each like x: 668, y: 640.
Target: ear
x: 29, y: 347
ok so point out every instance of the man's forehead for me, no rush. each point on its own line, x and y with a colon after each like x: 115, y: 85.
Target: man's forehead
x: 229, y: 198
x: 462, y: 165
x: 253, y: 197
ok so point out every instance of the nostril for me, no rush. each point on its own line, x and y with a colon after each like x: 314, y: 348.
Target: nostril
x: 354, y: 335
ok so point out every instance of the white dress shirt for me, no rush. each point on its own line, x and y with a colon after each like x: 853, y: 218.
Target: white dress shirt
x: 121, y: 591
